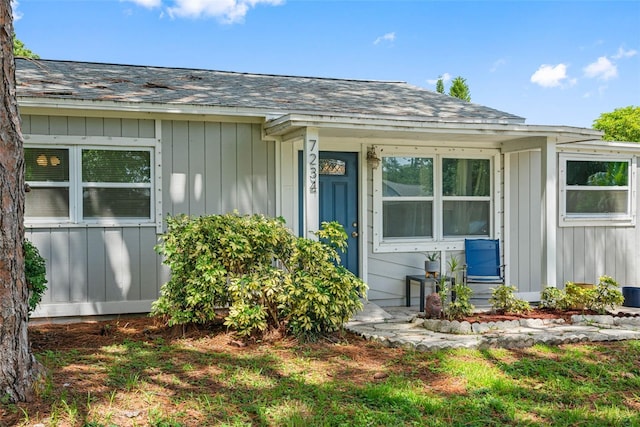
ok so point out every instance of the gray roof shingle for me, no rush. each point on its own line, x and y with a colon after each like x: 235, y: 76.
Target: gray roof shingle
x: 270, y: 93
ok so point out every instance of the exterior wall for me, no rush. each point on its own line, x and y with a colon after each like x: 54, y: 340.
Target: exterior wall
x: 586, y: 253
x: 207, y: 168
x: 524, y: 232
x: 583, y: 253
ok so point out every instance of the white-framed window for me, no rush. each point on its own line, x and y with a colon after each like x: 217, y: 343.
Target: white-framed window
x: 422, y: 202
x: 90, y: 184
x: 597, y: 190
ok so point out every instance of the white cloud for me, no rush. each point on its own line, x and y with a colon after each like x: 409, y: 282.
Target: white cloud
x: 625, y: 53
x: 602, y: 69
x: 499, y: 63
x: 551, y: 76
x: 227, y: 11
x: 17, y: 15
x: 149, y: 4
x: 387, y: 37
x: 445, y: 78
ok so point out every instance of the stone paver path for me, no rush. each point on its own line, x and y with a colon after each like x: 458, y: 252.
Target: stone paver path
x: 400, y: 327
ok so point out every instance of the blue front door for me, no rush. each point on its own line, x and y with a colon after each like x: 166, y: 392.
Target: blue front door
x: 339, y: 199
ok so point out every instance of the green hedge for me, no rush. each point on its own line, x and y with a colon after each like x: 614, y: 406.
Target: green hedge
x: 255, y: 266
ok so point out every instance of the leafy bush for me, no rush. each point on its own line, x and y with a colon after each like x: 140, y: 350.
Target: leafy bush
x: 605, y: 295
x: 268, y: 277
x: 461, y: 306
x: 553, y: 298
x: 35, y: 274
x: 578, y: 297
x: 503, y: 299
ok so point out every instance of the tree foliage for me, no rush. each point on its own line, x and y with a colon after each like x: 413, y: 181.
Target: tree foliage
x: 269, y: 278
x: 622, y: 124
x: 460, y: 89
x: 19, y: 49
x: 440, y: 85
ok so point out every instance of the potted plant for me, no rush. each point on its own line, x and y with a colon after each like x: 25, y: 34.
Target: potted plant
x: 432, y: 264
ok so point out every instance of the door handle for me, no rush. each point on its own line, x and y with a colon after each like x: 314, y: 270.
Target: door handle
x: 354, y: 234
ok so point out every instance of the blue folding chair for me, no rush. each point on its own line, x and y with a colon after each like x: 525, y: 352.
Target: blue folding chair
x: 482, y: 264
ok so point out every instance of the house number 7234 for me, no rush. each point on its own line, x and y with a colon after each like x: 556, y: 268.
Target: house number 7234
x: 313, y: 167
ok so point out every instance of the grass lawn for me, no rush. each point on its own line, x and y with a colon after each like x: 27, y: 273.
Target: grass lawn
x: 136, y: 373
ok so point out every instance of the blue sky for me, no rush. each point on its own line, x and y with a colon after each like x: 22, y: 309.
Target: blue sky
x: 552, y: 62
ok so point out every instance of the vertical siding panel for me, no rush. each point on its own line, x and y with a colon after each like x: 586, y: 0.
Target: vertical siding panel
x: 611, y: 241
x: 115, y: 265
x: 167, y: 165
x: 97, y: 267
x: 579, y: 273
x: 568, y: 259
x: 271, y: 177
x: 514, y: 220
x: 590, y: 255
x: 60, y: 262
x: 25, y: 123
x: 95, y: 126
x: 112, y: 127
x: 213, y: 168
x: 58, y: 125
x: 77, y: 126
x: 146, y: 128
x: 149, y: 288
x: 130, y: 128
x: 259, y: 175
x: 131, y: 279
x: 196, y: 180
x: 78, y: 249
x: 625, y: 258
x: 229, y: 165
x: 535, y: 221
x: 40, y: 125
x: 524, y: 213
x: 244, y: 169
x: 288, y: 176
x: 180, y: 172
x: 41, y: 239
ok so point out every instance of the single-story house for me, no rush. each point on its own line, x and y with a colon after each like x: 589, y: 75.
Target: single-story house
x: 112, y: 149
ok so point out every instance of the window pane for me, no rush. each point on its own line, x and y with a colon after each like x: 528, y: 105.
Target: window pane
x: 46, y: 164
x: 466, y: 177
x: 50, y: 202
x: 116, y: 202
x: 597, y: 202
x: 407, y: 219
x: 407, y: 177
x: 466, y: 218
x: 584, y: 172
x: 116, y: 166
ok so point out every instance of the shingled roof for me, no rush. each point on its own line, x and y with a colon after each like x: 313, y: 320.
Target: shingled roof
x: 270, y: 94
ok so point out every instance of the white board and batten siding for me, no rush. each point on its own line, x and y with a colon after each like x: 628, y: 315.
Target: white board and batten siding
x: 207, y: 168
x: 583, y: 253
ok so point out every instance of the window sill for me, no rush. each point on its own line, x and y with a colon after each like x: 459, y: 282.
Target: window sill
x: 33, y: 225
x: 597, y: 222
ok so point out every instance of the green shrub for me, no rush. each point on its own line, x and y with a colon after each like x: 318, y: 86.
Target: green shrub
x: 35, y: 272
x: 553, y: 299
x: 578, y: 297
x: 254, y: 265
x: 605, y: 295
x: 503, y: 299
x: 461, y: 306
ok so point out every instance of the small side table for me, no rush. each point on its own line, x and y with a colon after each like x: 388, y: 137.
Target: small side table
x: 422, y: 280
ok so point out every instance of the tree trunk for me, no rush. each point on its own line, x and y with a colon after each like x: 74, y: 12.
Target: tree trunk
x: 18, y: 368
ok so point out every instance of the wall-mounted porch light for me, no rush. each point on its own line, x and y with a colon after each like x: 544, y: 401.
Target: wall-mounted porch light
x: 372, y: 157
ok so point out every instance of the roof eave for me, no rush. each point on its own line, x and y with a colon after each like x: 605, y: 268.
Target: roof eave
x: 292, y: 122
